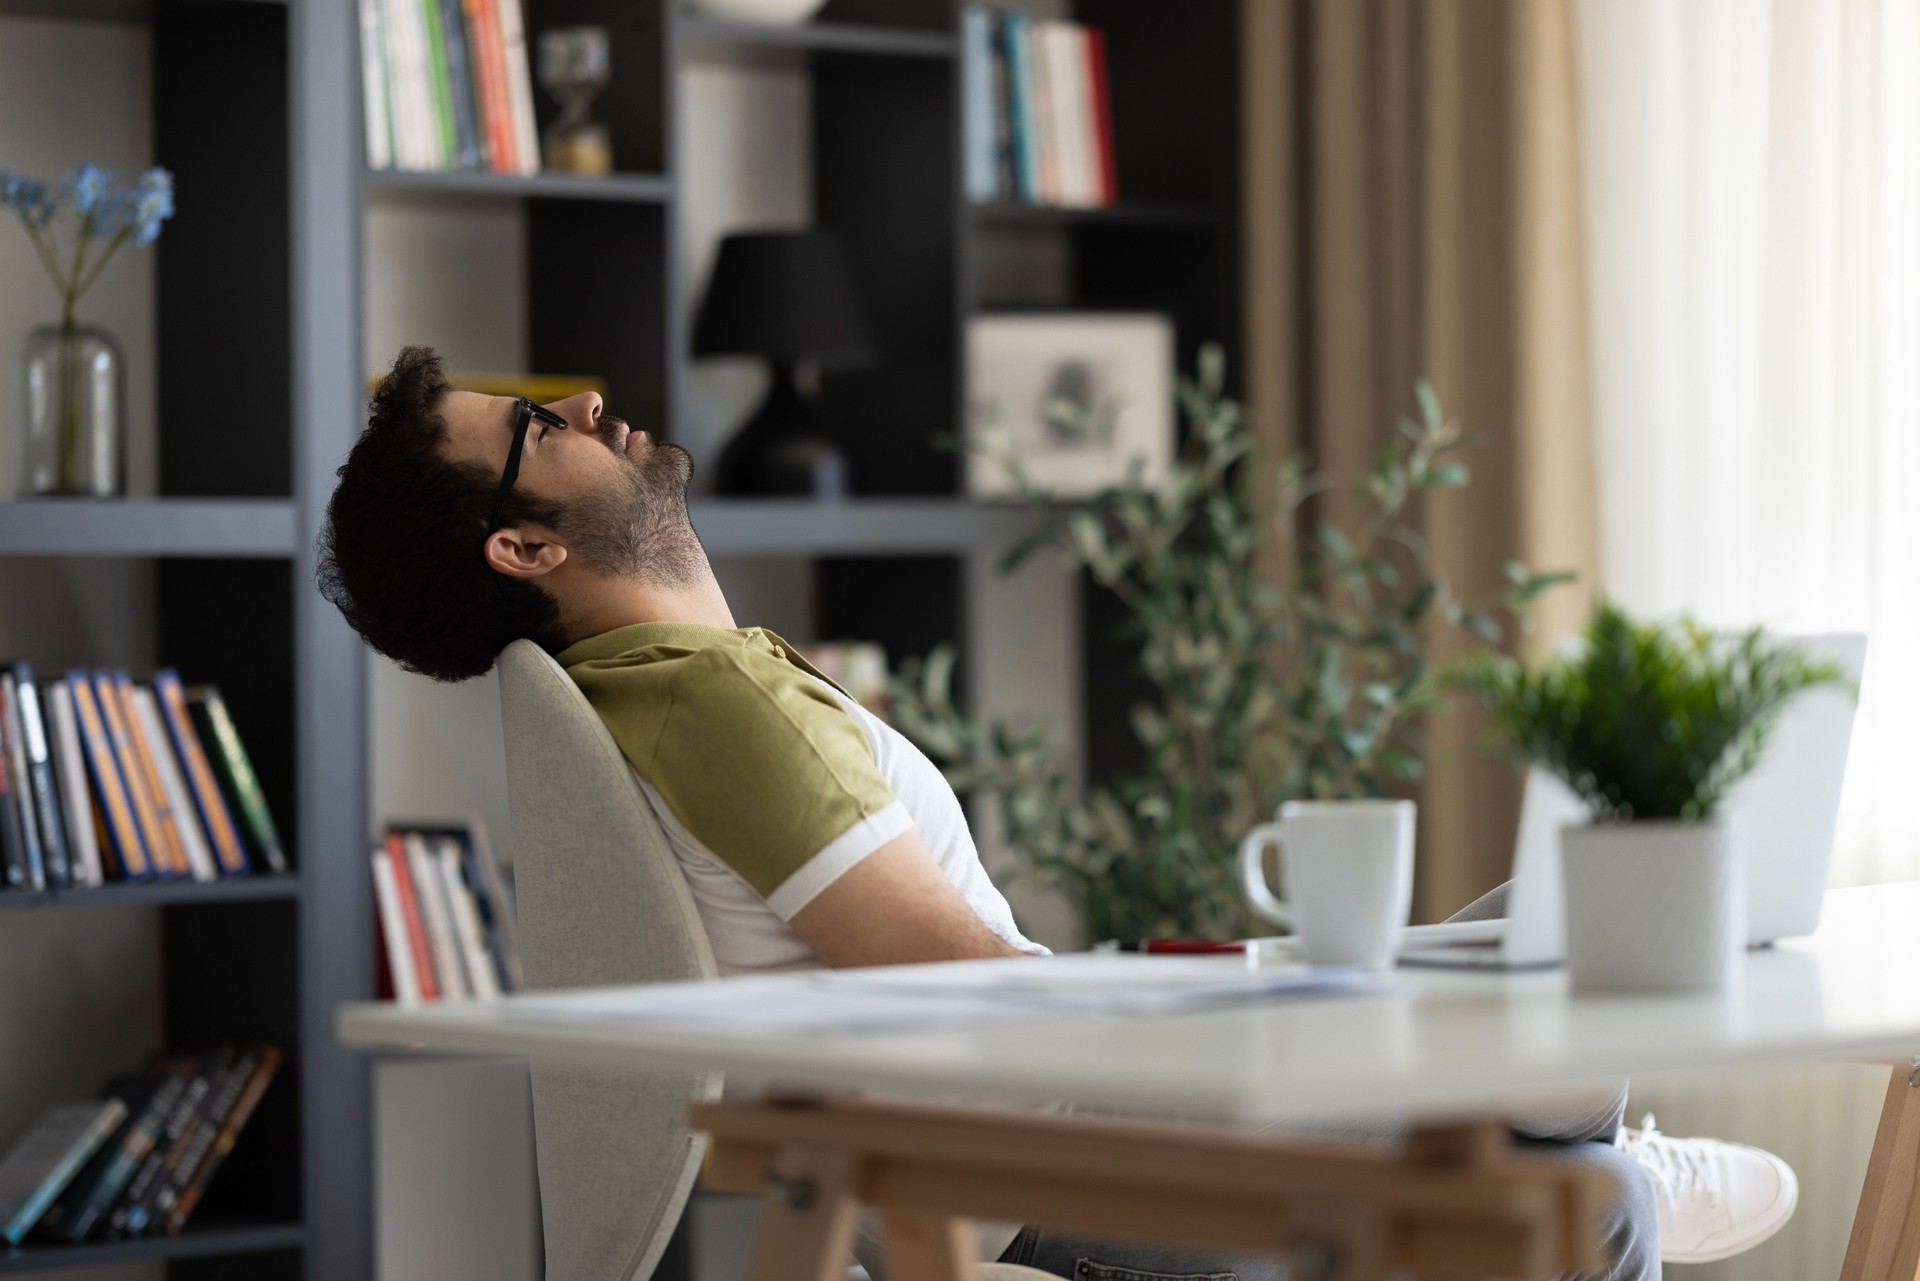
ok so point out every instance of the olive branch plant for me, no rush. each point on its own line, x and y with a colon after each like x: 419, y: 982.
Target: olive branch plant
x: 1313, y: 686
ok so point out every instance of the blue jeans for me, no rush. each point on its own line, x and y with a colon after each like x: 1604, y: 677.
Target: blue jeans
x: 1629, y: 1232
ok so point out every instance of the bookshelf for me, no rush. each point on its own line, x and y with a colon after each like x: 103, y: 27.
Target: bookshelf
x: 261, y: 314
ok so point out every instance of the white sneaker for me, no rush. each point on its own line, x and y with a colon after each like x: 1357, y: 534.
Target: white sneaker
x: 1716, y: 1199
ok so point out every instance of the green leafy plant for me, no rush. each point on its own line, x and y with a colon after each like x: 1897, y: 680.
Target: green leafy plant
x: 1646, y: 721
x: 1309, y: 686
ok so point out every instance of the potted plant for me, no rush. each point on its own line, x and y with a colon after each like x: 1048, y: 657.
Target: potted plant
x: 1650, y: 725
x: 1280, y: 658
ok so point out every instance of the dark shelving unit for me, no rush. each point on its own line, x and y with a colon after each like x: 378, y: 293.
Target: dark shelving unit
x: 219, y: 1241
x: 239, y: 889
x: 630, y: 188
x: 237, y: 527
x: 707, y: 35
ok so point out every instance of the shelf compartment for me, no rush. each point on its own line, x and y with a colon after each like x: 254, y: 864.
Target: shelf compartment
x: 1145, y: 214
x: 233, y: 527
x: 631, y: 188
x: 856, y: 527
x: 719, y: 36
x: 254, y: 888
x: 206, y: 1242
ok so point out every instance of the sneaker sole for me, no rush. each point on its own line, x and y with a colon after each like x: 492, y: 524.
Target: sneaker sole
x: 1789, y: 1196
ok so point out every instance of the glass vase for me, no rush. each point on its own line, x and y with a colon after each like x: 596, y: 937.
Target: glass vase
x: 72, y: 381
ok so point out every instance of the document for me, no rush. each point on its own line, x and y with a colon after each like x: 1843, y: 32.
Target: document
x: 947, y: 996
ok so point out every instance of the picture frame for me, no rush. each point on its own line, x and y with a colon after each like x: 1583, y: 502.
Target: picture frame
x: 1076, y: 400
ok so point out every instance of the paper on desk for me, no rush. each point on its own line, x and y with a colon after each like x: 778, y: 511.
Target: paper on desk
x: 947, y: 996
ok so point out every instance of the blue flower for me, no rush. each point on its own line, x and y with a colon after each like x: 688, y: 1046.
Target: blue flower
x: 152, y: 205
x: 87, y: 188
x: 31, y: 200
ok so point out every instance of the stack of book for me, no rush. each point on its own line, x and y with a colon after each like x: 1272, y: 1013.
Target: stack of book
x: 446, y: 924
x: 447, y: 85
x: 137, y: 1160
x: 102, y: 779
x: 1039, y: 121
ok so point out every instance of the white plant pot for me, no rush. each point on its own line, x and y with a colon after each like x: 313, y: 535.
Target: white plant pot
x: 1654, y: 906
x: 782, y: 13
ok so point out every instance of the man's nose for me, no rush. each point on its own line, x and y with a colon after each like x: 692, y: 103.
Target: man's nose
x: 582, y: 412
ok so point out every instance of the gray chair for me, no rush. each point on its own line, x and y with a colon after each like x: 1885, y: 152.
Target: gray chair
x: 601, y: 901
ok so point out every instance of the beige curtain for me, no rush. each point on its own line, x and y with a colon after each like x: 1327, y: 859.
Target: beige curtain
x: 1412, y: 207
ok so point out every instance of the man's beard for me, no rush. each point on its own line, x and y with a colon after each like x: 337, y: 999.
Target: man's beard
x: 637, y: 526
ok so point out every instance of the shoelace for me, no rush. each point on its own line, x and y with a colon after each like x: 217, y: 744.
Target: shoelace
x: 1677, y: 1166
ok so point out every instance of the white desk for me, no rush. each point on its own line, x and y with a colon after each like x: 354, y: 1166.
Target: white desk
x: 1443, y: 1045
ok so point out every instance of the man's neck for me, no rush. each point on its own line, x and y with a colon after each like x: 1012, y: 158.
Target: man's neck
x: 606, y: 604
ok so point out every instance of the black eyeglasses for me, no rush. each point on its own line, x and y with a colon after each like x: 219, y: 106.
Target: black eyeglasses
x: 525, y: 414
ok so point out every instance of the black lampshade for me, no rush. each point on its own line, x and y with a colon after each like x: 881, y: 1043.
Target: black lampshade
x: 785, y: 295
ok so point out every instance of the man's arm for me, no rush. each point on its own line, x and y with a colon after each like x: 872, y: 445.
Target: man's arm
x: 893, y: 907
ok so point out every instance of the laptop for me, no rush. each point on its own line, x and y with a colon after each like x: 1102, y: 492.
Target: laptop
x: 1788, y: 808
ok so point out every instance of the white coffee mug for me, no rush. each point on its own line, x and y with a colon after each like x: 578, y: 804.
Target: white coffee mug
x: 1348, y: 869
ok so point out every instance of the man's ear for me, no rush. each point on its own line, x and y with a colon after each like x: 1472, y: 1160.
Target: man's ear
x: 521, y: 552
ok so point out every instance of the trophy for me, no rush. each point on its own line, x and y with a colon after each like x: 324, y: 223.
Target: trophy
x: 575, y: 64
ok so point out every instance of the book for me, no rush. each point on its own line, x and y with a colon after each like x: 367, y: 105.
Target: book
x: 480, y: 849
x: 487, y: 51
x: 173, y: 786
x: 513, y: 40
x: 373, y: 85
x: 70, y: 766
x: 471, y: 146
x: 235, y: 771
x: 150, y: 1097
x: 146, y: 764
x: 1006, y: 184
x: 134, y: 1212
x: 215, y: 817
x: 19, y: 816
x: 133, y: 776
x: 197, y: 1140
x: 396, y: 950
x: 1014, y: 32
x: 126, y: 842
x: 262, y: 1064
x: 410, y: 75
x: 477, y: 966
x: 976, y: 75
x: 1066, y: 53
x: 438, y: 85
x: 14, y: 873
x: 437, y: 915
x: 489, y: 911
x: 40, y: 1164
x: 420, y: 951
x: 1046, y: 119
x: 1100, y: 97
x: 42, y: 792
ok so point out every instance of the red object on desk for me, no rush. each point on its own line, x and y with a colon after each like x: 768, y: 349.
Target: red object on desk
x: 1183, y: 947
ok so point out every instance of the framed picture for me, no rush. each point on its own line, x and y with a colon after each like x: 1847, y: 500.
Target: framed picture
x: 1075, y: 398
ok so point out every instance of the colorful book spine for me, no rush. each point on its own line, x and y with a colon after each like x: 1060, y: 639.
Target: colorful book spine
x: 476, y: 964
x: 118, y: 817
x: 513, y: 39
x: 41, y: 1164
x: 488, y: 54
x: 437, y: 914
x: 208, y: 803
x: 1101, y: 96
x: 70, y: 764
x: 150, y: 1098
x: 242, y: 786
x: 107, y: 698
x: 976, y: 73
x: 374, y: 105
x: 168, y: 844
x: 1067, y: 72
x: 13, y: 838
x: 1014, y: 34
x: 263, y: 1063
x: 20, y: 817
x: 134, y: 1212
x: 471, y: 149
x: 173, y: 785
x: 419, y: 949
x: 396, y: 948
x: 481, y: 851
x: 184, y: 1164
x: 42, y: 790
x: 437, y: 84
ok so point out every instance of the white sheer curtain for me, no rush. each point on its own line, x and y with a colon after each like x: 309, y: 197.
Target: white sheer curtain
x: 1752, y: 175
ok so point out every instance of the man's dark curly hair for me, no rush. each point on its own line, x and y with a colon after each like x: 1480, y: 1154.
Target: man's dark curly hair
x: 401, y: 552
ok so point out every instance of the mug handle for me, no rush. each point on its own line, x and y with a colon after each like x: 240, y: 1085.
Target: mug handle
x: 1253, y: 875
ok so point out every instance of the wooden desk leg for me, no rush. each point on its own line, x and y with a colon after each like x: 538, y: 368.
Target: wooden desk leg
x: 806, y: 1230
x: 930, y: 1247
x: 1885, y: 1242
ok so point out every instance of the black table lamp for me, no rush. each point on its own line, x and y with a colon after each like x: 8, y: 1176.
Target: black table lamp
x: 787, y: 296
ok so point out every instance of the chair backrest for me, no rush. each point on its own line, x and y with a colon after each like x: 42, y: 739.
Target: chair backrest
x: 601, y: 901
